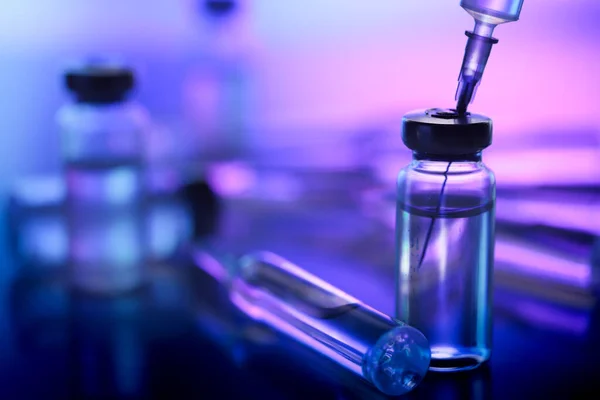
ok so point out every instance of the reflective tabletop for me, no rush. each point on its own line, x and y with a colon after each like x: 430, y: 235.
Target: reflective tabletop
x: 180, y: 337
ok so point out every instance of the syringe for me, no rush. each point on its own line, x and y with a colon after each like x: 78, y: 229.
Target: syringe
x: 487, y: 14
x: 393, y: 356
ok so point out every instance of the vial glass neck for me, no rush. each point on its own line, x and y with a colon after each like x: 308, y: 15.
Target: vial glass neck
x: 101, y: 99
x: 476, y: 157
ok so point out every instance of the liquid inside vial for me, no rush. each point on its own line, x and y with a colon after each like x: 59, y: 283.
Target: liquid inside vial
x: 445, y: 283
x: 105, y: 214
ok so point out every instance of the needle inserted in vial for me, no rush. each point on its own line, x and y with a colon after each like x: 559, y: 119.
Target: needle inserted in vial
x: 487, y: 14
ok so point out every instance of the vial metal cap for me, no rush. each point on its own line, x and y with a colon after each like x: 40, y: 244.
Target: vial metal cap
x: 444, y: 132
x: 99, y: 82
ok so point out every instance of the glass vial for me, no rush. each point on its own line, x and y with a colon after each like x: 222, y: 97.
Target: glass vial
x: 102, y: 150
x: 216, y: 87
x: 445, y: 236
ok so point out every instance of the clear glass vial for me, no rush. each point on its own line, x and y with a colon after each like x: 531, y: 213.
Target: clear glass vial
x: 445, y: 236
x: 103, y: 152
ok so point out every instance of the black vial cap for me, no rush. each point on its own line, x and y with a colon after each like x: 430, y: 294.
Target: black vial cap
x: 445, y: 133
x: 219, y: 8
x: 205, y: 207
x: 99, y: 83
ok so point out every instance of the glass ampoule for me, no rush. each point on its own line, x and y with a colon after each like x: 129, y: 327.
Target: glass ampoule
x: 389, y: 354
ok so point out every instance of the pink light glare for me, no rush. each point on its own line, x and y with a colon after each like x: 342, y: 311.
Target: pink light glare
x: 281, y: 325
x: 537, y: 76
x: 579, y: 217
x: 559, y: 166
x: 211, y: 266
x: 545, y: 315
x: 531, y: 166
x: 511, y: 255
x: 231, y: 178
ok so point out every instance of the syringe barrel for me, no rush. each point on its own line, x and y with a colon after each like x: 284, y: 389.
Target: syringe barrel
x: 499, y: 10
x: 393, y: 356
x: 475, y: 59
x: 477, y: 52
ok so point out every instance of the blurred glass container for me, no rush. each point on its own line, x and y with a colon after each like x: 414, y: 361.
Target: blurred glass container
x: 571, y: 315
x: 545, y: 257
x: 216, y: 86
x: 38, y: 309
x: 547, y: 235
x: 103, y: 151
x: 596, y: 260
x: 108, y: 347
x: 546, y: 207
x: 38, y: 224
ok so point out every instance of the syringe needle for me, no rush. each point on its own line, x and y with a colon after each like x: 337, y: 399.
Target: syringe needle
x: 464, y: 94
x: 475, y: 59
x: 461, y: 106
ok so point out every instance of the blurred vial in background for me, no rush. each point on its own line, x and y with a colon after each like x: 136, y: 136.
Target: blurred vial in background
x: 108, y: 347
x: 215, y: 91
x: 102, y: 149
x: 38, y: 231
x: 596, y: 264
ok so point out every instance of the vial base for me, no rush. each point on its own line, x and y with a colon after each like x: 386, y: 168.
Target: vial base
x: 447, y: 359
x: 105, y: 217
x: 102, y: 280
x: 445, y: 280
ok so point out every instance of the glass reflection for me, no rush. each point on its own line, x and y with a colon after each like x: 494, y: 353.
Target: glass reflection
x: 470, y: 385
x: 106, y: 347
